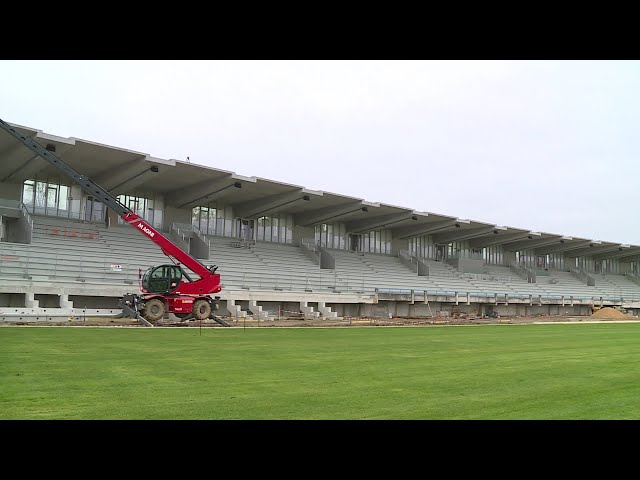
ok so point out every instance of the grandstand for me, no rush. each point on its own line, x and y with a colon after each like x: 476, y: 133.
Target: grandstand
x: 278, y: 247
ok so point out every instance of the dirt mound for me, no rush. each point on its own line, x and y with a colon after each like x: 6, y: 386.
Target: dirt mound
x: 608, y: 312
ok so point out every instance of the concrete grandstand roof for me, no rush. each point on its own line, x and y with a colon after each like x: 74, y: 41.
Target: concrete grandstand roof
x: 186, y: 185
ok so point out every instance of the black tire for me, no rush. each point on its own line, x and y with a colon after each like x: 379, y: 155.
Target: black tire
x: 154, y: 310
x: 201, y: 309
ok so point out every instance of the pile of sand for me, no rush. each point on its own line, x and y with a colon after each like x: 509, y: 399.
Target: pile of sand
x: 608, y: 312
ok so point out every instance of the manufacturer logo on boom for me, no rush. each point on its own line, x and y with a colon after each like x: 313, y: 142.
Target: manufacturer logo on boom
x: 146, y: 230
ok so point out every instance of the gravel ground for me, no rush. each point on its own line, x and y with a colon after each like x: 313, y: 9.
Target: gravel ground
x: 340, y: 322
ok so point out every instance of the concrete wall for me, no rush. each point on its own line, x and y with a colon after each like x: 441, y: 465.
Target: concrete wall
x: 423, y: 269
x: 84, y: 301
x: 509, y: 257
x: 625, y: 267
x: 420, y: 310
x: 178, y: 215
x: 15, y: 227
x: 198, y: 248
x: 299, y: 233
x: 404, y: 309
x: 9, y: 228
x: 76, y: 204
x: 11, y: 191
x: 379, y: 310
x: 16, y: 230
x: 183, y: 244
x: 519, y: 309
x: 112, y: 217
x: 10, y: 212
x: 326, y: 259
x: 398, y: 244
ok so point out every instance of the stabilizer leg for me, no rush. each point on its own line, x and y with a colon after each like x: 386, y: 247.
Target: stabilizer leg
x: 129, y: 305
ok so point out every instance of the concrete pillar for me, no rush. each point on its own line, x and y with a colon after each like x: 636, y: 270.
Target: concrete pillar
x: 65, y: 302
x: 235, y: 310
x: 257, y: 310
x: 29, y: 301
x: 308, y: 312
x: 326, y: 311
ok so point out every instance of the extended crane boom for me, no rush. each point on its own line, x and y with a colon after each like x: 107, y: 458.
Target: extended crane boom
x: 163, y: 286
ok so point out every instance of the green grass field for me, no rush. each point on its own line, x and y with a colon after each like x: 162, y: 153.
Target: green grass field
x: 577, y: 371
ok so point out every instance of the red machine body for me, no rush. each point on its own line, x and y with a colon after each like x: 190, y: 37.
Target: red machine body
x: 165, y: 288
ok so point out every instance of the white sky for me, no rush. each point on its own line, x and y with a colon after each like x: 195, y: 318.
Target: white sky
x: 549, y: 146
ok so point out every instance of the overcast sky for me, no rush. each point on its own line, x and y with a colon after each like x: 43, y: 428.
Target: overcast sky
x: 550, y: 146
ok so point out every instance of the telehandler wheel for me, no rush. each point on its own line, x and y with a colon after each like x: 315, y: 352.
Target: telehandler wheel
x: 154, y: 310
x: 201, y: 309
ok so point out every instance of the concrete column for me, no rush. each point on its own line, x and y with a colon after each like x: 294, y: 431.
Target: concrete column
x: 29, y: 301
x: 308, y: 312
x: 235, y: 310
x: 65, y: 302
x: 257, y: 310
x: 326, y: 311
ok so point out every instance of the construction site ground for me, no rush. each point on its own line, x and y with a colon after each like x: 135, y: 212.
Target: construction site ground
x: 603, y: 315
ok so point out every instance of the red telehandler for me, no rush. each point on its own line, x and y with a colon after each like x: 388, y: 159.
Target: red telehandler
x: 165, y: 288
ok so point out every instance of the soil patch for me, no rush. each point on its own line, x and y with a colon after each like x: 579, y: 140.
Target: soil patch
x: 608, y: 312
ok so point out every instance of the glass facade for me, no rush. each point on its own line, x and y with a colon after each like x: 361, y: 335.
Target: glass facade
x: 52, y: 199
x: 493, y: 255
x: 376, y: 241
x: 526, y: 258
x: 147, y: 207
x: 219, y: 220
x: 214, y: 219
x: 276, y: 228
x: 57, y: 200
x: 422, y: 246
x: 332, y: 235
